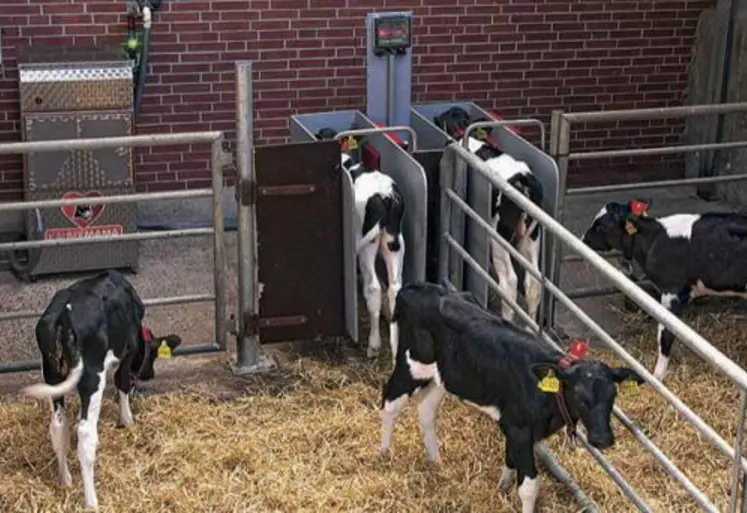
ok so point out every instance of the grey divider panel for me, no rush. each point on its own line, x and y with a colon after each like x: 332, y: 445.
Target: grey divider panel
x: 302, y: 129
x: 410, y: 178
x: 479, y: 189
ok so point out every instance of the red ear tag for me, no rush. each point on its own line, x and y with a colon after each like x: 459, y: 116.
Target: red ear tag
x: 345, y: 146
x: 637, y: 208
x: 146, y: 335
x: 458, y: 133
x: 579, y: 348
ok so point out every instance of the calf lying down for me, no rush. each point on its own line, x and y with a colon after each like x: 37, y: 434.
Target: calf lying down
x: 450, y: 344
x: 379, y: 211
x: 87, y: 328
x: 685, y: 255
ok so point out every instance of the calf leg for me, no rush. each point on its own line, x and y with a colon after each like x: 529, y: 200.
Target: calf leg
x: 520, y: 446
x: 675, y: 304
x: 91, y: 389
x: 394, y: 260
x: 398, y: 388
x: 123, y: 383
x: 507, y: 279
x: 59, y: 433
x: 429, y: 400
x: 530, y: 249
x: 59, y: 430
x: 372, y: 293
x: 508, y: 473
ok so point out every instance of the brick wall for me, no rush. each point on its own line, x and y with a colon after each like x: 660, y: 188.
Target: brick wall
x: 522, y: 57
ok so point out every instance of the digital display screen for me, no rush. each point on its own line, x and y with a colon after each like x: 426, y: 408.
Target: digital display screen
x: 392, y: 32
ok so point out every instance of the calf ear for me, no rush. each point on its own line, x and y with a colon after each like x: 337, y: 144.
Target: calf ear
x: 620, y: 374
x: 541, y: 370
x: 173, y: 341
x: 467, y: 296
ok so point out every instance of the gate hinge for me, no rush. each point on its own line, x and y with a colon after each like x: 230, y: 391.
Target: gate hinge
x: 251, y: 324
x: 246, y: 192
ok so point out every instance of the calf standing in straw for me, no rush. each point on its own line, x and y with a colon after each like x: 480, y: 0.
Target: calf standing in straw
x: 87, y: 328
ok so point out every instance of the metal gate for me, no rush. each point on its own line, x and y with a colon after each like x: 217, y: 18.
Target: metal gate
x: 478, y: 189
x: 298, y: 196
x: 683, y: 332
x: 394, y: 161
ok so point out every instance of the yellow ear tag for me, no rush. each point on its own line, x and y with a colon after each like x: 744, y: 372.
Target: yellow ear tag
x: 481, y: 134
x: 630, y: 228
x: 352, y: 143
x: 549, y: 383
x: 164, y: 351
x: 628, y: 387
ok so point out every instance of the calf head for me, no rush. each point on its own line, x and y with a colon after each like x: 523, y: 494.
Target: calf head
x: 607, y: 229
x: 456, y: 120
x: 150, y: 343
x: 590, y: 389
x: 347, y: 146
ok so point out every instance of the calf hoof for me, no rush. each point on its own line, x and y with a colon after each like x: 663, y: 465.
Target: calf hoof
x: 93, y: 508
x: 66, y: 479
x: 372, y: 352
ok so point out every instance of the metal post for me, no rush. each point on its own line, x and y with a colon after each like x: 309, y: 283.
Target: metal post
x: 248, y: 358
x: 446, y: 179
x: 560, y: 142
x: 735, y: 467
x: 219, y: 248
x: 391, y: 84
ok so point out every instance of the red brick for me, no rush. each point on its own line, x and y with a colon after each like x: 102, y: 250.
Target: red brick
x: 526, y: 57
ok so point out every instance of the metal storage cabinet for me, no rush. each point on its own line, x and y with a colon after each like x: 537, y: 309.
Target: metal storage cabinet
x: 70, y: 93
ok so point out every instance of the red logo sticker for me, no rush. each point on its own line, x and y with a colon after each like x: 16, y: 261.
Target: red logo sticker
x: 82, y: 215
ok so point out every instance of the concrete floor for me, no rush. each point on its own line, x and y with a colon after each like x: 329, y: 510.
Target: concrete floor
x: 184, y: 266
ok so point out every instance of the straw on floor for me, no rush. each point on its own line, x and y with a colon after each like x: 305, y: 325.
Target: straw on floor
x: 306, y: 439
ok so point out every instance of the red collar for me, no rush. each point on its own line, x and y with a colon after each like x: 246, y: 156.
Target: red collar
x: 147, y: 337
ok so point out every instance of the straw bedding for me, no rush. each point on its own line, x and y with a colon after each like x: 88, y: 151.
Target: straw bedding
x: 306, y: 439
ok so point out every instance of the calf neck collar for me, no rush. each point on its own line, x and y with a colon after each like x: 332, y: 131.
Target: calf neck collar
x: 570, y: 424
x: 147, y: 339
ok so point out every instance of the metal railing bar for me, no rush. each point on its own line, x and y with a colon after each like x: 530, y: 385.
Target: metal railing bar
x: 503, y: 123
x: 106, y: 200
x: 680, y: 330
x: 659, y: 150
x: 737, y: 453
x: 491, y: 282
x: 167, y: 234
x: 413, y: 146
x: 579, y: 258
x: 581, y: 191
x: 31, y: 365
x: 625, y: 488
x: 158, y: 301
x: 648, y: 444
x: 654, y: 113
x: 631, y: 290
x: 129, y: 141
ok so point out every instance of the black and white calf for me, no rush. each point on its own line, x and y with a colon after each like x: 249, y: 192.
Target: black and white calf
x: 379, y: 211
x: 685, y: 255
x: 450, y: 344
x: 86, y: 329
x: 510, y: 221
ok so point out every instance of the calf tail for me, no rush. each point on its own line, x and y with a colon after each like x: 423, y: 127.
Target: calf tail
x: 45, y: 391
x: 395, y: 212
x: 58, y: 333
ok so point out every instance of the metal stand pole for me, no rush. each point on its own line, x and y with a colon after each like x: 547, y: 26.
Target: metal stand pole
x: 390, y: 86
x: 248, y: 358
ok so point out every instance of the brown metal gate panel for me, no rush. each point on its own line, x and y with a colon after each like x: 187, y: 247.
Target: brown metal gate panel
x: 299, y: 223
